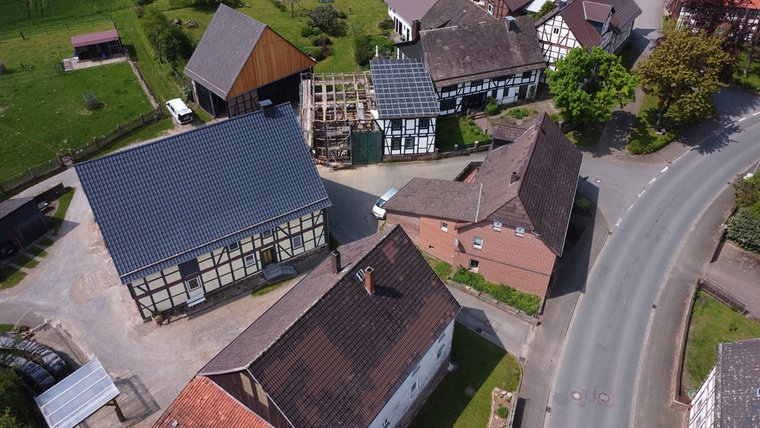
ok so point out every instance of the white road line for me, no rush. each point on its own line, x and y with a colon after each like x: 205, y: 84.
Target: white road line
x: 652, y: 180
x: 741, y: 119
x: 664, y: 169
x: 629, y: 208
x: 642, y: 192
x: 618, y: 222
x: 756, y: 113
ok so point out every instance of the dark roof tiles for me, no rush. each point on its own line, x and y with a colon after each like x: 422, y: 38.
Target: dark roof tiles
x: 583, y: 18
x: 175, y: 199
x: 450, y: 13
x: 737, y: 384
x: 410, y: 9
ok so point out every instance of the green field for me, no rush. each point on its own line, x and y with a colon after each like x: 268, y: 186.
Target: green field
x: 19, y: 13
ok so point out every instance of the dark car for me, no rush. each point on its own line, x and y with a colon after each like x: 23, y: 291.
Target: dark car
x: 8, y: 250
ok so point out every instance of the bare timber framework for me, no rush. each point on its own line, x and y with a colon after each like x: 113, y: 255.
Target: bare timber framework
x: 333, y: 106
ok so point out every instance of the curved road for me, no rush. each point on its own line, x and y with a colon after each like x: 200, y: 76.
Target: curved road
x: 594, y: 383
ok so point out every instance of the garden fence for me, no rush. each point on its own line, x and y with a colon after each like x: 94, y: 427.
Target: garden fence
x: 60, y: 163
x: 723, y: 296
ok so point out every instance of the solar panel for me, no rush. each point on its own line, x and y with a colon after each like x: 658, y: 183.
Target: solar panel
x: 403, y: 89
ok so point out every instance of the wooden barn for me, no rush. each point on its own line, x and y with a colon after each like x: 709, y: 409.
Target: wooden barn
x: 240, y: 61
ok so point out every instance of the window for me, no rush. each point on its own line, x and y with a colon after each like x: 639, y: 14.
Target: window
x: 439, y: 354
x: 496, y: 225
x: 249, y: 260
x: 477, y: 242
x: 395, y: 143
x: 555, y: 31
x: 424, y: 124
x: 193, y: 283
x: 444, y: 226
x: 474, y: 264
x: 233, y: 247
x: 296, y: 241
x: 527, y: 74
x: 189, y: 268
x: 520, y: 231
x: 415, y: 385
x: 360, y: 275
x: 450, y: 88
x: 476, y: 83
x: 448, y: 104
x: 416, y: 369
x: 396, y: 124
x: 266, y: 233
x: 490, y: 9
x: 409, y: 143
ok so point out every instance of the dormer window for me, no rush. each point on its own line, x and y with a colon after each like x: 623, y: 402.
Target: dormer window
x: 444, y: 226
x: 497, y: 225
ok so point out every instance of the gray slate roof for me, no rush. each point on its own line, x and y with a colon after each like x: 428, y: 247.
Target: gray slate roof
x: 403, y: 89
x: 328, y: 353
x: 172, y: 200
x: 540, y: 201
x: 410, y: 9
x: 737, y: 382
x: 223, y: 50
x: 481, y: 50
x: 450, y: 13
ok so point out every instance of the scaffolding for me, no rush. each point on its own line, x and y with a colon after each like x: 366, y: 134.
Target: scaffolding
x: 332, y: 107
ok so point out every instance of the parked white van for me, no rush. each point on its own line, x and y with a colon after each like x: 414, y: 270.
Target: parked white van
x: 179, y: 111
x: 378, y: 210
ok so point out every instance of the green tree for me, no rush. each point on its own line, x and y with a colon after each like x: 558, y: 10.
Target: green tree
x: 683, y: 70
x: 587, y: 85
x: 170, y: 42
x: 325, y: 17
x: 547, y: 7
x: 14, y: 404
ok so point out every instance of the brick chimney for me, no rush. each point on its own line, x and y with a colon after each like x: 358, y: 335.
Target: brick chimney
x: 415, y: 30
x: 369, y: 280
x: 335, y: 261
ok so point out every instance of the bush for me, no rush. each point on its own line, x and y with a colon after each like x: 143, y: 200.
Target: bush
x: 521, y: 113
x: 491, y: 108
x: 525, y: 302
x: 556, y: 117
x: 317, y: 54
x: 582, y: 203
x: 279, y: 4
x: 342, y: 15
x: 363, y: 51
x: 637, y: 148
x: 14, y: 403
x: 744, y: 229
x: 320, y: 41
x: 386, y: 24
x: 324, y: 16
x: 502, y: 412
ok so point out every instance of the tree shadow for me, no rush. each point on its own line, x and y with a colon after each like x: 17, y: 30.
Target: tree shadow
x: 614, y: 137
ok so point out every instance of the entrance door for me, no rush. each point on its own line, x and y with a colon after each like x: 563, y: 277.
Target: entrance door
x: 268, y: 256
x: 522, y: 92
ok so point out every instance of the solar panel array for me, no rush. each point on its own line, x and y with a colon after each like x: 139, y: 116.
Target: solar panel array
x: 403, y: 89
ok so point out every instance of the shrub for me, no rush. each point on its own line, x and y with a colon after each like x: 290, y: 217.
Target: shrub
x: 556, y: 117
x: 491, y: 107
x: 320, y: 41
x: 363, y: 51
x: 317, y: 54
x: 342, y: 15
x: 582, y: 202
x: 525, y: 302
x: 637, y: 148
x: 324, y: 16
x: 279, y: 4
x: 386, y: 24
x: 521, y: 113
x: 744, y: 229
x: 502, y: 412
x: 305, y: 31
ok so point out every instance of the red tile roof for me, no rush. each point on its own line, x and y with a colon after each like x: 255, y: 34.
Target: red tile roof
x: 203, y: 404
x: 94, y: 38
x: 582, y: 17
x: 596, y: 12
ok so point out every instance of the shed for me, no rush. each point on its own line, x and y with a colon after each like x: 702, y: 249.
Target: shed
x: 97, y: 45
x: 21, y: 222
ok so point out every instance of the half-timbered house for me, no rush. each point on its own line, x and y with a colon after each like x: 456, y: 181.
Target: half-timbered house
x: 407, y: 106
x: 743, y: 15
x: 491, y: 58
x: 191, y: 214
x: 240, y: 61
x: 361, y: 341
x: 581, y: 23
x: 504, y: 8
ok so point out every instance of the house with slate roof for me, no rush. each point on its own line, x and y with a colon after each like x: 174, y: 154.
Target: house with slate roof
x: 475, y: 60
x: 240, y: 61
x: 407, y: 106
x: 505, y: 218
x: 730, y: 396
x: 361, y: 341
x: 194, y: 213
x: 583, y: 23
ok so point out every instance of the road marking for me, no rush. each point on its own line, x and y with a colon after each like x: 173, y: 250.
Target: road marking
x: 629, y: 208
x: 618, y: 222
x: 742, y: 119
x: 652, y: 180
x: 642, y: 192
x: 756, y: 113
x: 664, y: 169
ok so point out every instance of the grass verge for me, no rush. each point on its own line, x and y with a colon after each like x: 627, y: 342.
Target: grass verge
x: 712, y: 322
x: 267, y: 288
x: 60, y: 213
x: 482, y: 366
x: 587, y: 136
x: 525, y: 302
x: 441, y: 268
x: 9, y: 277
x: 458, y: 130
x: 644, y: 138
x: 5, y: 328
x: 25, y: 261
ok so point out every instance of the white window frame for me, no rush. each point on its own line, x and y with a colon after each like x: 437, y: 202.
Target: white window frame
x: 474, y: 265
x: 233, y: 247
x: 296, y: 242
x: 249, y: 260
x: 477, y: 242
x: 267, y: 233
x: 497, y: 225
x: 196, y: 279
x: 444, y: 226
x: 490, y: 9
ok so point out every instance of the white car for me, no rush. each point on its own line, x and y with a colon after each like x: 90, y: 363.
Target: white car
x: 179, y: 111
x: 377, y: 209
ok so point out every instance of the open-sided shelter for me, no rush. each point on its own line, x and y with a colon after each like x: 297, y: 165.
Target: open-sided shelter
x: 240, y: 61
x: 97, y: 45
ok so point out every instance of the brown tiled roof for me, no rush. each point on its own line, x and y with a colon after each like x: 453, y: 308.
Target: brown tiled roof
x: 737, y: 383
x: 540, y: 201
x: 582, y: 17
x: 94, y: 38
x: 410, y: 9
x: 203, y: 404
x: 515, y: 5
x: 330, y: 354
x: 481, y: 50
x: 507, y: 133
x: 596, y: 12
x: 449, y: 13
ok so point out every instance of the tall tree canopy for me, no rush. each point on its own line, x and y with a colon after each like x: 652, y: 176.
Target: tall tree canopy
x: 733, y: 20
x: 588, y: 85
x: 683, y: 70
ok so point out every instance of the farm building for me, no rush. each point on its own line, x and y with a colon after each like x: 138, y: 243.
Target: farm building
x: 187, y: 216
x: 240, y: 61
x: 361, y: 341
x: 97, y: 45
x: 21, y: 222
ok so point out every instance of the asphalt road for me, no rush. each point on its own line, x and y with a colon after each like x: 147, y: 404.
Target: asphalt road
x: 595, y: 379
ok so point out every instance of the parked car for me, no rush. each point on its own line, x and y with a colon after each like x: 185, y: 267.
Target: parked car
x: 8, y: 250
x: 378, y: 210
x: 179, y: 111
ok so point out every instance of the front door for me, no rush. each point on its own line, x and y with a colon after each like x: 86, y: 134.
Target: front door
x: 268, y: 256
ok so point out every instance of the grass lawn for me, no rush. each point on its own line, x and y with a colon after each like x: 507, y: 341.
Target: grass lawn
x: 15, y: 14
x: 5, y: 328
x: 144, y: 134
x: 457, y: 129
x: 482, y: 366
x: 712, y: 322
x: 643, y: 138
x: 25, y: 261
x: 63, y: 205
x: 9, y: 277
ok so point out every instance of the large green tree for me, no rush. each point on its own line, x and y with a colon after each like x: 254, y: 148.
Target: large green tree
x: 683, y: 70
x: 587, y: 85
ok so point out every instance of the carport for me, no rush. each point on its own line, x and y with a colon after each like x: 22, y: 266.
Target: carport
x: 97, y: 45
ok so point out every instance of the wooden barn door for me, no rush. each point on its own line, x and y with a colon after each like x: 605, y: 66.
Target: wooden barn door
x: 366, y: 147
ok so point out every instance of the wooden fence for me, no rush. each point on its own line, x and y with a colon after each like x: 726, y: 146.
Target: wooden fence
x: 60, y: 163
